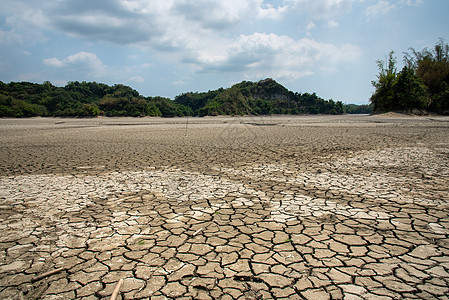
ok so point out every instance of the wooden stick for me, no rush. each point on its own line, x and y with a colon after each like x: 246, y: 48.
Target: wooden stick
x: 117, y: 289
x: 198, y: 231
x: 46, y: 274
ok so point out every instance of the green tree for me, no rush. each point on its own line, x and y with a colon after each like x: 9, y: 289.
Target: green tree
x: 264, y: 107
x: 153, y: 110
x: 409, y: 91
x: 432, y: 66
x: 212, y: 108
x: 383, y: 97
x: 24, y: 109
x: 170, y: 108
x: 91, y: 110
x: 403, y: 91
x: 358, y: 109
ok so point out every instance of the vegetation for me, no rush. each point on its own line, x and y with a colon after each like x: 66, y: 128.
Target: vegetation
x: 358, y: 109
x: 85, y: 99
x: 91, y: 99
x: 421, y: 85
x: 258, y: 98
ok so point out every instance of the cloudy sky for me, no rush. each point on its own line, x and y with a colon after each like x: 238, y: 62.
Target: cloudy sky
x: 166, y: 47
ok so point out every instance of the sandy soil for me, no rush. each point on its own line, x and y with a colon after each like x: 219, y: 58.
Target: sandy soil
x: 314, y: 207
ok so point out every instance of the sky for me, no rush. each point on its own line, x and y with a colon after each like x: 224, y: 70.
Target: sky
x: 168, y: 47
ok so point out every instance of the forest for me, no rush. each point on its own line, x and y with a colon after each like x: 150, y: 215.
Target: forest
x: 91, y: 99
x: 421, y: 86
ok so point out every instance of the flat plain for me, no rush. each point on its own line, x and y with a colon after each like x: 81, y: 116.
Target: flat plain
x: 275, y: 207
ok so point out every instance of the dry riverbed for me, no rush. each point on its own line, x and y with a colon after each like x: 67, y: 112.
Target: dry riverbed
x: 308, y: 207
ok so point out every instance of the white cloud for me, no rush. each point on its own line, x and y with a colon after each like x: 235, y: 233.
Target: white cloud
x: 273, y: 55
x: 332, y: 24
x: 382, y: 7
x: 268, y: 11
x: 320, y: 9
x: 10, y: 37
x: 23, y: 24
x: 412, y: 2
x: 82, y: 62
x: 135, y: 79
x: 179, y: 82
x: 217, y: 15
x: 205, y: 34
x: 311, y: 25
x: 220, y: 15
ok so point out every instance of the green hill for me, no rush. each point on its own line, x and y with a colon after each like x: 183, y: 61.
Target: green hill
x: 90, y: 99
x: 257, y: 98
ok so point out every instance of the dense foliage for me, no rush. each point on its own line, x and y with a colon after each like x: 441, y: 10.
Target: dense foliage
x: 422, y: 84
x: 90, y: 99
x: 85, y: 99
x: 258, y: 98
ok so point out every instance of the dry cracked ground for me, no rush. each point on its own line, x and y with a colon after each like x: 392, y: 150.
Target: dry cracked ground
x: 343, y: 207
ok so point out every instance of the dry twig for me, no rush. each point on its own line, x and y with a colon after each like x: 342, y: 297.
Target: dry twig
x: 46, y: 274
x: 117, y: 289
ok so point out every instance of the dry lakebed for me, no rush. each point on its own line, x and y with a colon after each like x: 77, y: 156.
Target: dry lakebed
x: 274, y: 207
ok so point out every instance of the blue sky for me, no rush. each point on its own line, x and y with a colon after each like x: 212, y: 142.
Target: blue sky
x: 167, y: 47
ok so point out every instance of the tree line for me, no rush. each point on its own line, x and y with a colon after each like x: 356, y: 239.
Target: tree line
x: 91, y: 99
x: 82, y: 99
x: 262, y: 98
x: 421, y: 86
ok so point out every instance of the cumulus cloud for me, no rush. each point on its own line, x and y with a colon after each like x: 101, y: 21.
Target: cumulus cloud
x: 273, y: 55
x: 23, y: 24
x: 205, y: 34
x: 156, y: 22
x: 218, y: 14
x: 112, y: 21
x: 84, y: 62
x: 268, y: 11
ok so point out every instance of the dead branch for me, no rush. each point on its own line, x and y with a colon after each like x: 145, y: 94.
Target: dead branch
x: 117, y: 289
x: 46, y: 274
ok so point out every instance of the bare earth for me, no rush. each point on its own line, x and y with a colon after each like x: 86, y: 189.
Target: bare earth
x: 341, y: 207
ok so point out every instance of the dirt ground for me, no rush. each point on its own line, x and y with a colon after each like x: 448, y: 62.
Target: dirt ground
x: 275, y: 207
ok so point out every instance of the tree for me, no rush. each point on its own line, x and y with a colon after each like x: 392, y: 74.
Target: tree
x: 432, y: 66
x: 358, y: 109
x: 409, y: 91
x: 211, y: 109
x: 382, y: 99
x: 91, y: 110
x: 170, y: 108
x: 264, y: 107
x: 153, y: 110
x: 403, y: 91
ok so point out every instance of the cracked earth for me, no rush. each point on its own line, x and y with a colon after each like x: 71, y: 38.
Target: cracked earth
x: 344, y: 207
